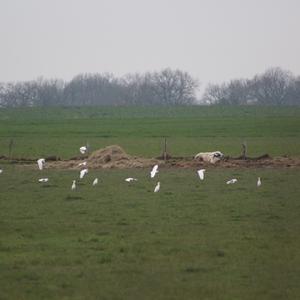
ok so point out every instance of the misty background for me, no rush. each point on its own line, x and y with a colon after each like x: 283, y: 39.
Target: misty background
x: 149, y: 52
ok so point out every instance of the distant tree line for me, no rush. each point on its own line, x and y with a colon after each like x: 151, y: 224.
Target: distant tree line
x: 274, y: 87
x: 167, y: 87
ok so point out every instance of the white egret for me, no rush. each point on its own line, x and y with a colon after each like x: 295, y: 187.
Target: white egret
x: 41, y: 163
x: 83, y: 172
x: 157, y: 187
x: 1, y: 171
x: 231, y: 181
x: 95, y: 181
x: 201, y: 174
x: 258, y: 182
x: 82, y: 164
x: 129, y: 179
x: 83, y: 149
x: 43, y: 179
x: 73, y: 187
x: 154, y: 171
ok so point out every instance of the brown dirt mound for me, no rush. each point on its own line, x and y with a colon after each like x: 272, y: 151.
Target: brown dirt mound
x: 108, y: 154
x: 109, y: 157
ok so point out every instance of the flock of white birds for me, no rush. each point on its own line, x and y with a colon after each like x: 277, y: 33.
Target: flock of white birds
x: 41, y: 164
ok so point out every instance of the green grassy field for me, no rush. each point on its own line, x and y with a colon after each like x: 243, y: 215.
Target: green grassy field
x: 192, y: 240
x: 140, y: 130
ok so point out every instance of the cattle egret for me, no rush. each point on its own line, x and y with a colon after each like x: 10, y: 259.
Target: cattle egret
x: 83, y: 149
x: 1, y: 171
x: 201, y: 174
x: 41, y: 163
x: 82, y: 164
x: 157, y: 187
x: 95, y: 181
x: 73, y: 185
x: 83, y: 172
x: 130, y: 179
x: 258, y: 182
x: 231, y: 181
x: 154, y: 171
x: 43, y: 180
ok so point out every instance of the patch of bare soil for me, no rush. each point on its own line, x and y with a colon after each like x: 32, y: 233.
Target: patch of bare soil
x: 260, y: 162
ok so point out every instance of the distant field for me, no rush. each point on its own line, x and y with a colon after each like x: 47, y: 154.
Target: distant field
x: 192, y: 240
x: 140, y: 130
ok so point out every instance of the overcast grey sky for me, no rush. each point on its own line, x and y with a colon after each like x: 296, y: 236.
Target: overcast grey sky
x: 214, y: 40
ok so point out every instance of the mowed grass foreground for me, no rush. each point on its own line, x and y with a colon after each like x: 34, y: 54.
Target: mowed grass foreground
x: 192, y: 240
x: 140, y: 131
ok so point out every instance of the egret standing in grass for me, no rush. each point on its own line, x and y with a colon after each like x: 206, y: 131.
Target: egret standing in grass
x: 157, y: 188
x: 83, y: 172
x: 41, y: 163
x: 154, y: 171
x: 95, y: 181
x: 258, y: 182
x: 201, y: 174
x: 73, y: 187
x: 1, y: 171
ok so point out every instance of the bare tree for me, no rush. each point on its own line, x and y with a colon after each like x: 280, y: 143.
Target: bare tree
x: 138, y: 89
x: 293, y: 95
x: 272, y: 86
x: 215, y: 94
x: 174, y: 87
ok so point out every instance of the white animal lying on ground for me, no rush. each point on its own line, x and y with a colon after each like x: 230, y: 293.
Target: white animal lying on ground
x: 211, y: 157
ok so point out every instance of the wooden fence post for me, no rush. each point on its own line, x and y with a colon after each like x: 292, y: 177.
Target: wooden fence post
x: 244, y: 150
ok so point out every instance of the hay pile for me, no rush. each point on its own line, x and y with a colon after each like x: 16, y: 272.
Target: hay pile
x: 109, y: 157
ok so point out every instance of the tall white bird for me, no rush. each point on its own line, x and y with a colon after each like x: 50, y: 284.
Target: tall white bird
x: 43, y: 179
x: 41, y: 163
x: 83, y: 149
x: 258, y: 182
x: 157, y: 187
x: 154, y: 171
x: 82, y: 164
x: 95, y: 181
x: 231, y: 181
x: 83, y: 172
x: 1, y: 171
x: 201, y: 174
x: 73, y: 187
x: 129, y: 179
